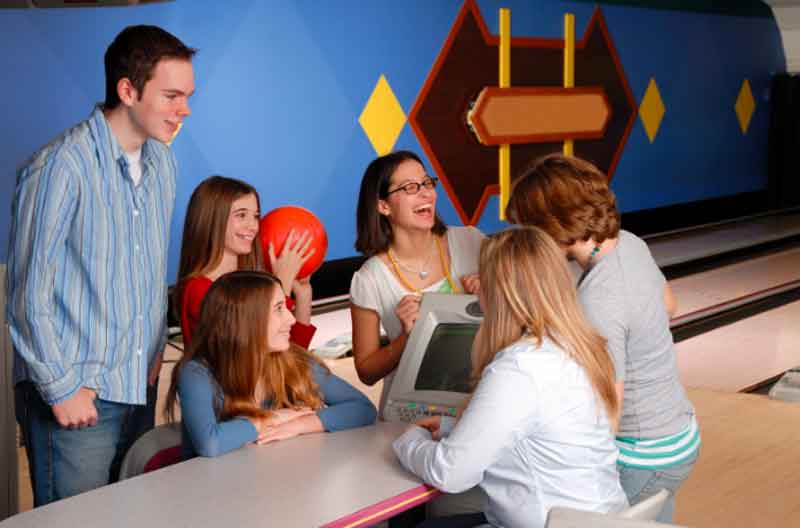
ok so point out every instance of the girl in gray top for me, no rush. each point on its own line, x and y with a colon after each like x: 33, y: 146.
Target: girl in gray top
x: 625, y: 296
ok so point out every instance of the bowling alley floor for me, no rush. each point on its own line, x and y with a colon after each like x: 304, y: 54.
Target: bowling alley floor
x: 747, y: 474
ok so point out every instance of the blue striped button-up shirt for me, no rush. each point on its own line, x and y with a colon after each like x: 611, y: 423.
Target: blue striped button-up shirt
x: 87, y: 265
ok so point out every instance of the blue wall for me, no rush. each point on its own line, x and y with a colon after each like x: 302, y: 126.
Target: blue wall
x: 280, y: 86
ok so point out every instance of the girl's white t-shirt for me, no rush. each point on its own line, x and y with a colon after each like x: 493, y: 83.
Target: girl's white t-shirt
x: 375, y: 287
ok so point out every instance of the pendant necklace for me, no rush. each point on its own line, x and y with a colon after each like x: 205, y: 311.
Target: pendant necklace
x: 422, y: 271
x: 442, y: 259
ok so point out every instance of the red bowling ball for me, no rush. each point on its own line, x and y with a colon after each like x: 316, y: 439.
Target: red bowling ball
x: 275, y: 226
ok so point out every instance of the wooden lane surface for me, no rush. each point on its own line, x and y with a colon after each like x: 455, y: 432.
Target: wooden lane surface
x: 748, y: 473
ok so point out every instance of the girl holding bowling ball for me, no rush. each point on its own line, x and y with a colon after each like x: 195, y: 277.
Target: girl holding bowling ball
x: 220, y: 235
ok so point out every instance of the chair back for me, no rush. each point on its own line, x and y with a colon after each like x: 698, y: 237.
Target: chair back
x: 166, y: 437
x: 561, y: 517
x: 647, y: 509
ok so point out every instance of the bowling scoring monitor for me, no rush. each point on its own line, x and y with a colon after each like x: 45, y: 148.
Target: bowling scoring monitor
x: 433, y: 376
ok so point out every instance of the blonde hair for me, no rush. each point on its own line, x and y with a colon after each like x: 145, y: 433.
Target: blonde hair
x: 528, y: 291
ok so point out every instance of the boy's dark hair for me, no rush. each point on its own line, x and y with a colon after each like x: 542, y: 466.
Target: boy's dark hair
x: 135, y: 53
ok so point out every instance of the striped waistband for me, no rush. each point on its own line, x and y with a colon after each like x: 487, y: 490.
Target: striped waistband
x: 661, y: 452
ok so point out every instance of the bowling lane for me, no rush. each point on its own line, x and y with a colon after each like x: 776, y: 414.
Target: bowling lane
x: 688, y: 245
x: 709, y: 292
x: 740, y: 356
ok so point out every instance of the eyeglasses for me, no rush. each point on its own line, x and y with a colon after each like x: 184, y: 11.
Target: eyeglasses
x: 414, y: 187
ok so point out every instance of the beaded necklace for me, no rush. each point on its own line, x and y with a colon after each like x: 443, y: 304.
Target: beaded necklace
x: 589, y: 263
x: 410, y: 286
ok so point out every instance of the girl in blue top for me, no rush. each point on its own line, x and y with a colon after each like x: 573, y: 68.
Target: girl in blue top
x: 242, y: 381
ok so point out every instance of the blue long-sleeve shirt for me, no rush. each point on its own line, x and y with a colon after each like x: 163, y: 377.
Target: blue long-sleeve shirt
x: 87, y: 265
x: 206, y: 435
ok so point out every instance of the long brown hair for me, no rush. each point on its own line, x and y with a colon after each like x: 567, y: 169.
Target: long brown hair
x: 567, y: 197
x: 232, y: 344
x: 529, y: 292
x: 204, y: 229
x: 374, y: 231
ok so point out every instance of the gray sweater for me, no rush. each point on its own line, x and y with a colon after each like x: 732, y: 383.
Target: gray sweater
x: 623, y: 297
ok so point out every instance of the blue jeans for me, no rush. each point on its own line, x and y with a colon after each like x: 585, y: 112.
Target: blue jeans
x: 642, y: 483
x: 65, y: 462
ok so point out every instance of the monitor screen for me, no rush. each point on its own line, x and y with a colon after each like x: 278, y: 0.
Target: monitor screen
x: 446, y: 365
x: 434, y: 373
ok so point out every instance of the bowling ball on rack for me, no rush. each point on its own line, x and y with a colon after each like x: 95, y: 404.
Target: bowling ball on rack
x: 276, y: 225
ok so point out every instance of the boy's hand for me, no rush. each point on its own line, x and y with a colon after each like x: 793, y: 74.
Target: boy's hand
x: 78, y: 411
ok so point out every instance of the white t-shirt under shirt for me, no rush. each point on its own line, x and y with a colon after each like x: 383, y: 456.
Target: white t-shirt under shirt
x: 135, y: 165
x: 376, y: 288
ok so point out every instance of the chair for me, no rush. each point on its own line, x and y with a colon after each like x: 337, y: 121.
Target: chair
x: 560, y: 517
x: 157, y: 448
x: 640, y: 515
x: 648, y: 509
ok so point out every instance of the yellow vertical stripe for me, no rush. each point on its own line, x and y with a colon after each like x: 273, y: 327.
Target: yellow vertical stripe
x: 504, y: 154
x: 569, y: 65
x: 505, y: 47
x: 504, y: 163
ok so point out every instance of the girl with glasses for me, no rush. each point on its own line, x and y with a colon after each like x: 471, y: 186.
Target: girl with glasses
x: 410, y: 251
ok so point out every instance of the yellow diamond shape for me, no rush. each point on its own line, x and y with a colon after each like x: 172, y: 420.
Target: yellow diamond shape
x: 651, y: 110
x: 382, y: 118
x: 745, y: 106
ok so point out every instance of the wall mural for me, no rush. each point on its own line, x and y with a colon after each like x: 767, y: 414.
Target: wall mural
x: 296, y: 97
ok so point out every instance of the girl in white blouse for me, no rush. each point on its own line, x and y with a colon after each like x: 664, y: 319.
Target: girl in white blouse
x: 536, y: 432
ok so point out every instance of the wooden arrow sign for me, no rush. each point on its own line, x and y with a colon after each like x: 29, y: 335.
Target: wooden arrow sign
x: 469, y: 63
x: 536, y: 114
